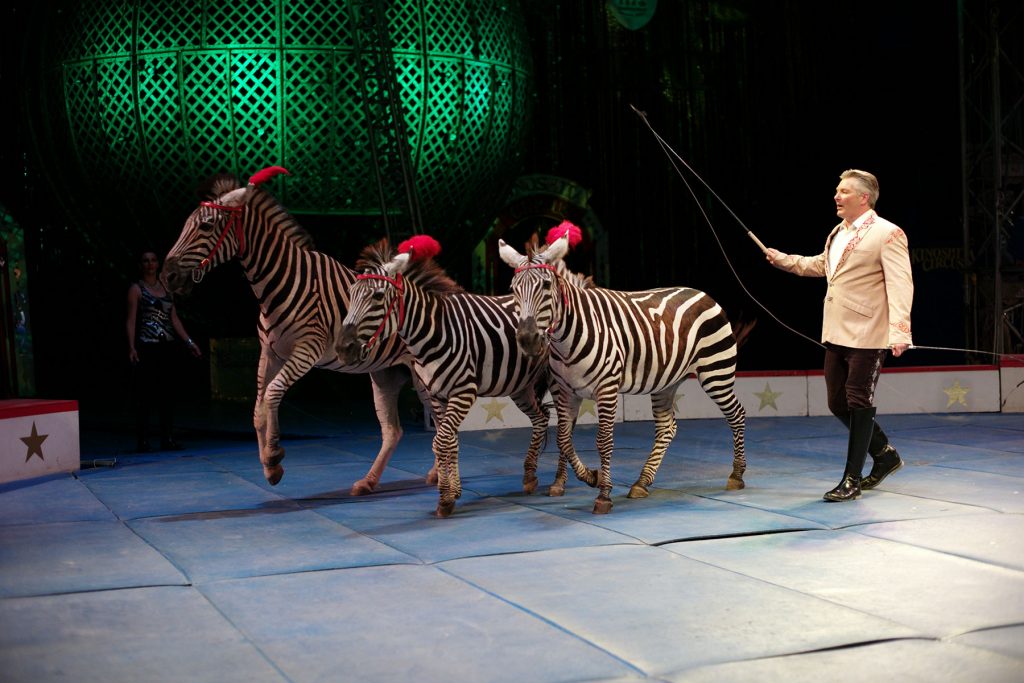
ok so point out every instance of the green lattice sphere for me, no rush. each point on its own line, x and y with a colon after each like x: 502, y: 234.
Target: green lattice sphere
x: 172, y: 92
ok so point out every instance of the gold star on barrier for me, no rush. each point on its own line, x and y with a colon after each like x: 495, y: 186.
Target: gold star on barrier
x: 493, y: 410
x: 34, y: 443
x: 767, y: 397
x: 588, y: 406
x: 956, y: 394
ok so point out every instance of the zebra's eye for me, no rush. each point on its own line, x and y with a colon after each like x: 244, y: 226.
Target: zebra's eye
x: 205, y: 226
x: 378, y: 295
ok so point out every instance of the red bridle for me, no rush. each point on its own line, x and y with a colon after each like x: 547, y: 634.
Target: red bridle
x: 565, y: 296
x: 234, y: 221
x: 400, y: 298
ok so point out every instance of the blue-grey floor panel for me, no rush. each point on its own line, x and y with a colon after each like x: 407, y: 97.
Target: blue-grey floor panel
x: 211, y: 546
x: 1005, y: 641
x: 801, y: 497
x: 936, y: 594
x: 67, y: 557
x: 156, y: 635
x: 992, y: 538
x: 189, y: 566
x: 906, y: 661
x: 131, y: 497
x: 479, y: 526
x: 662, y: 612
x: 57, y: 498
x: 402, y: 623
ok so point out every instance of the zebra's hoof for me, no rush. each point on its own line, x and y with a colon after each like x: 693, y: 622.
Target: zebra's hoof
x: 638, y: 491
x: 529, y: 484
x: 431, y: 477
x: 602, y: 506
x: 273, y: 474
x: 556, y: 490
x: 273, y: 458
x: 734, y: 484
x: 444, y: 509
x: 362, y: 487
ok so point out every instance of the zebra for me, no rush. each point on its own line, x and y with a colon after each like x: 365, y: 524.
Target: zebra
x: 602, y: 343
x: 463, y: 345
x: 301, y: 293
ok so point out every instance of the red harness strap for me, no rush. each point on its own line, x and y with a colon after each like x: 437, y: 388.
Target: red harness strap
x: 565, y: 296
x: 400, y: 298
x: 234, y: 221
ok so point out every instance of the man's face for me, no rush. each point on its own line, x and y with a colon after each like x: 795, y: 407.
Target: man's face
x: 851, y: 201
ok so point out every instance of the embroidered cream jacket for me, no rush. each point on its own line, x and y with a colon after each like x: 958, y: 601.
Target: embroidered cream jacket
x: 868, y: 300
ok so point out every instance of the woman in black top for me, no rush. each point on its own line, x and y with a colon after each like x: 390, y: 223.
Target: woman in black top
x: 152, y: 324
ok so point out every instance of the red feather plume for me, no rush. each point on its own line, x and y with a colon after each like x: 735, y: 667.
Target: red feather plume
x: 563, y: 228
x: 420, y: 247
x: 266, y: 174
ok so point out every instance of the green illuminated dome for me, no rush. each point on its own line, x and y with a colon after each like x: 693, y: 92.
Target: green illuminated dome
x: 170, y: 93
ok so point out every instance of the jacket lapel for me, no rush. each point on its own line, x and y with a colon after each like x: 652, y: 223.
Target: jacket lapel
x: 862, y: 231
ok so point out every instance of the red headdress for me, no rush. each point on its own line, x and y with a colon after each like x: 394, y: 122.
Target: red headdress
x: 266, y: 174
x: 565, y: 228
x: 420, y: 247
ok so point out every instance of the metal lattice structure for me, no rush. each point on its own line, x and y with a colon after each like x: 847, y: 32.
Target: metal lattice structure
x: 992, y: 116
x: 175, y: 92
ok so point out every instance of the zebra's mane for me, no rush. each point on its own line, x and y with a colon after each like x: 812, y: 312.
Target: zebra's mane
x: 222, y: 183
x: 533, y: 249
x: 427, y: 274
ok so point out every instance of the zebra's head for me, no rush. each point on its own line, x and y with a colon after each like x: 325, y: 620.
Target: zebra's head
x: 375, y: 306
x: 380, y: 295
x: 538, y: 290
x: 214, y: 232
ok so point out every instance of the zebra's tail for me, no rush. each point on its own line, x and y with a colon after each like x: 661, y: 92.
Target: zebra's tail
x: 742, y: 326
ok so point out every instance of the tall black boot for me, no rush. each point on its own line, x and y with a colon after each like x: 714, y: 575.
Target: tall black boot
x: 879, y: 443
x: 886, y: 462
x: 862, y: 422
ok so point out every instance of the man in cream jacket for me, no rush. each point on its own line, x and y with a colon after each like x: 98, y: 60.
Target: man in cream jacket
x: 866, y: 263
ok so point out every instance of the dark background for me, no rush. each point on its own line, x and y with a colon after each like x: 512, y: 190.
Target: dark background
x: 768, y: 100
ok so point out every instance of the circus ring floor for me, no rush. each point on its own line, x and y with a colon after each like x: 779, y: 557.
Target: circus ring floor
x: 188, y: 566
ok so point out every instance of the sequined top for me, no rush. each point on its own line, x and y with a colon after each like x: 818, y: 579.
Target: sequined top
x: 153, y: 323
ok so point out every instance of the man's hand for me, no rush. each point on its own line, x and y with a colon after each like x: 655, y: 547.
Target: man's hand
x: 773, y: 255
x: 898, y: 349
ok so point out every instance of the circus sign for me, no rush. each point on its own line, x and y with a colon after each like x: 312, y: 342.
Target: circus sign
x: 632, y: 14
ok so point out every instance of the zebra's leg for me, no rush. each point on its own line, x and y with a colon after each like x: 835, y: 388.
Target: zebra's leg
x: 259, y: 412
x: 438, y: 407
x: 528, y: 402
x: 446, y: 450
x: 568, y: 408
x: 270, y: 391
x: 294, y: 368
x: 607, y: 403
x: 664, y: 431
x: 435, y: 413
x: 387, y: 384
x: 737, y: 422
x: 720, y: 390
x: 557, y: 487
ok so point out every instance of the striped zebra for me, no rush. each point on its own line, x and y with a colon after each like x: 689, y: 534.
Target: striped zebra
x: 463, y: 345
x: 301, y: 294
x: 602, y: 343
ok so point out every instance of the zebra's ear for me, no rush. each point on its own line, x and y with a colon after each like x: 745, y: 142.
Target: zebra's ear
x: 510, y: 255
x: 556, y: 250
x: 397, y: 265
x: 235, y: 197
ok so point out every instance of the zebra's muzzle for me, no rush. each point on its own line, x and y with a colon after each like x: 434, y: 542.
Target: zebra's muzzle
x: 349, y: 349
x: 531, y: 341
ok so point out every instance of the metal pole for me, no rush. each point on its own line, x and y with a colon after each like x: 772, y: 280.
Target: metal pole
x: 997, y: 179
